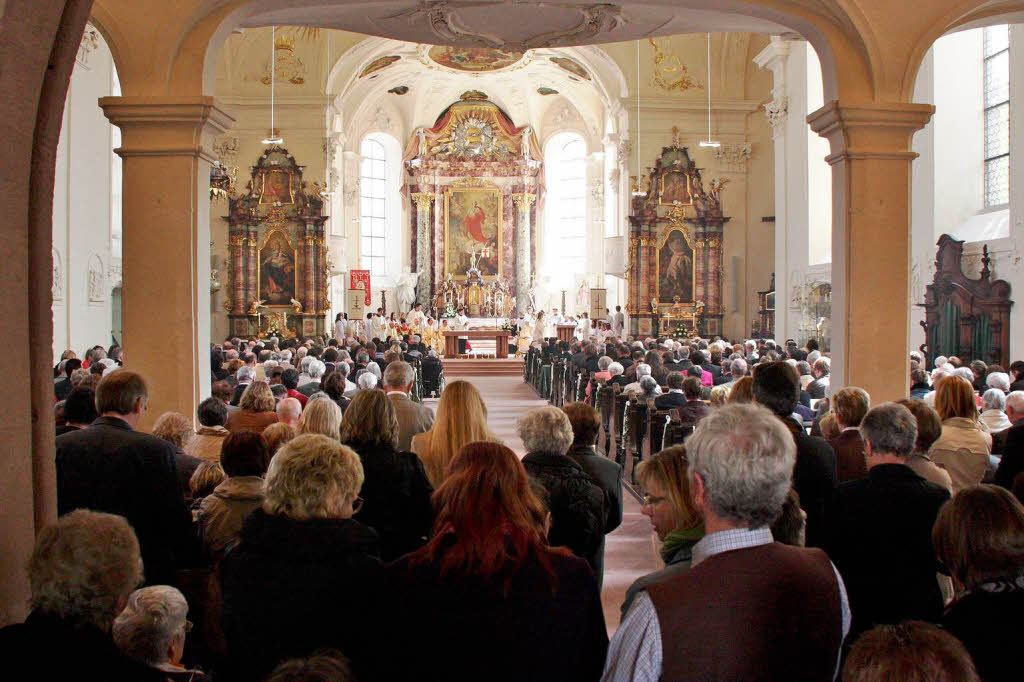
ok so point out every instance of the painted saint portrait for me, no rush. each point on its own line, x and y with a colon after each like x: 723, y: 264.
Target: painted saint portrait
x: 474, y: 59
x: 473, y: 225
x: 675, y: 186
x: 675, y: 269
x: 276, y: 187
x: 277, y: 270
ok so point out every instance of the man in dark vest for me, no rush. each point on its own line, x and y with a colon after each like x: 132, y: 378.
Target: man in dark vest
x: 749, y: 608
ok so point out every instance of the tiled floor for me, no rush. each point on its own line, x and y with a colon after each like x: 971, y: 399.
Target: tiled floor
x: 630, y: 551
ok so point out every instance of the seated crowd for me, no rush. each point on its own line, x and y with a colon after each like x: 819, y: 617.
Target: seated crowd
x: 321, y: 524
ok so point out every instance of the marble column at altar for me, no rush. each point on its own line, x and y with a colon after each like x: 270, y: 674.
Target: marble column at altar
x: 310, y: 302
x: 424, y: 253
x: 644, y: 286
x: 252, y: 274
x: 871, y: 162
x: 166, y: 151
x: 700, y: 272
x: 237, y: 243
x: 714, y: 302
x: 523, y: 203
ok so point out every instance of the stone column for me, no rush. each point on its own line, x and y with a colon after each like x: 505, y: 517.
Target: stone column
x: 252, y: 276
x: 310, y: 303
x: 424, y: 252
x: 237, y: 242
x: 774, y: 58
x: 714, y: 301
x: 523, y: 203
x: 166, y: 150
x: 871, y: 162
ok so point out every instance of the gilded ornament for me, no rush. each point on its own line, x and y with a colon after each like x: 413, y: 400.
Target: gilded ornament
x: 669, y: 71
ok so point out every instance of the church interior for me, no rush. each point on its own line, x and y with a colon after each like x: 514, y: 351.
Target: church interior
x: 844, y: 174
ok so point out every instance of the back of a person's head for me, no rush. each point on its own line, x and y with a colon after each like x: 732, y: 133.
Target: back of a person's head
x: 173, y: 427
x: 151, y: 620
x: 692, y: 388
x: 276, y: 435
x: 461, y: 417
x: 290, y: 378
x: 488, y: 503
x: 80, y: 405
x: 207, y: 476
x: 322, y: 666
x: 789, y: 528
x: 979, y: 535
x: 212, y: 412
x: 258, y: 397
x: 585, y: 422
x: 911, y: 651
x: 399, y: 374
x: 321, y: 416
x: 675, y: 380
x: 954, y: 397
x: 370, y: 418
x: 120, y: 392
x: 83, y: 567
x: 244, y: 453
x: 312, y: 476
x: 850, y: 405
x: 776, y: 387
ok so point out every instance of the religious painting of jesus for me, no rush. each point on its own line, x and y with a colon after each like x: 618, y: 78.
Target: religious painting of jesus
x: 276, y: 187
x: 277, y: 274
x: 473, y: 220
x: 675, y: 269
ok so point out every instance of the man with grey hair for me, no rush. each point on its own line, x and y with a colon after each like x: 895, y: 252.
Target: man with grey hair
x: 577, y: 503
x: 888, y: 514
x: 367, y: 381
x: 82, y: 569
x: 315, y: 369
x: 151, y: 630
x: 244, y: 376
x: 413, y: 418
x: 1012, y: 462
x: 288, y: 411
x: 737, y: 371
x: 790, y: 600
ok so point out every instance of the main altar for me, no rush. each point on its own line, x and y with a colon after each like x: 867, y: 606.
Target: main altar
x: 277, y: 254
x: 676, y: 229
x: 474, y: 179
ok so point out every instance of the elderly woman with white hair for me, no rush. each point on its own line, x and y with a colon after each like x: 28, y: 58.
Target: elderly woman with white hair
x: 993, y: 405
x: 577, y: 504
x: 151, y: 630
x: 81, y: 572
x: 305, y: 574
x: 642, y: 370
x: 999, y: 380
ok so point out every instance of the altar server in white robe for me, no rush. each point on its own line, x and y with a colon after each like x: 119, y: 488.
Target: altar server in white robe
x: 462, y: 324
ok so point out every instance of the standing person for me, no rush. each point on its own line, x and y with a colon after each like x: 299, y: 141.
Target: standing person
x: 461, y: 419
x: 577, y: 504
x: 413, y: 418
x: 749, y: 608
x: 488, y: 577
x: 341, y: 326
x: 586, y: 424
x: 113, y: 468
x: 618, y: 321
x: 890, y: 513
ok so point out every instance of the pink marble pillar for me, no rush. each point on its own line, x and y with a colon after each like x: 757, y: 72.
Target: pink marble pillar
x: 714, y: 274
x: 237, y: 275
x: 310, y: 302
x: 251, y: 279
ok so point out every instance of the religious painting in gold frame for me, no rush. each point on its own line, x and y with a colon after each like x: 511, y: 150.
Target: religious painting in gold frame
x: 676, y: 266
x: 674, y: 186
x: 277, y: 273
x: 473, y: 219
x: 275, y: 186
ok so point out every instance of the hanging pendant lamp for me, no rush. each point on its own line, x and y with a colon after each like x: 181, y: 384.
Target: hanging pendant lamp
x: 709, y: 142
x: 273, y: 137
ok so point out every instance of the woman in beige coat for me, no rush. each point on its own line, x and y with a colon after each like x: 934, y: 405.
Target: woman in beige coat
x: 244, y: 459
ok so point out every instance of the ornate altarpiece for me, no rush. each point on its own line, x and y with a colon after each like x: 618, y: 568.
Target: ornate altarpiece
x: 968, y: 318
x: 675, y: 248
x: 277, y: 253
x: 474, y: 180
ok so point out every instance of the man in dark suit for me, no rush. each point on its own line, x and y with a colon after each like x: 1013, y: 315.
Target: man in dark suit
x: 586, y: 424
x: 315, y: 370
x: 776, y: 387
x: 709, y: 366
x: 62, y: 387
x: 887, y: 517
x: 111, y: 467
x: 244, y: 376
x: 1012, y: 462
x: 675, y: 396
x: 695, y: 409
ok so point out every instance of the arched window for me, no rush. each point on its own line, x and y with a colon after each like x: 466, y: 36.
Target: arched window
x: 379, y: 208
x: 565, y: 225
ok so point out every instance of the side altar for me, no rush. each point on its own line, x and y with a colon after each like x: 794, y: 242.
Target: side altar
x: 474, y: 179
x: 676, y: 228
x: 277, y: 253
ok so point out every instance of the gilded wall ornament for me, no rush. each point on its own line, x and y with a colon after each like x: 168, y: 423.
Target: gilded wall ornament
x: 670, y: 73
x: 287, y: 65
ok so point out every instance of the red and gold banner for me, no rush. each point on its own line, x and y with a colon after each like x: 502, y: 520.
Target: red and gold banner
x: 360, y: 279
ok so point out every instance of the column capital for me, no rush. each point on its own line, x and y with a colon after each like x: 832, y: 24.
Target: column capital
x: 523, y: 200
x: 870, y: 131
x: 166, y: 126
x: 422, y: 199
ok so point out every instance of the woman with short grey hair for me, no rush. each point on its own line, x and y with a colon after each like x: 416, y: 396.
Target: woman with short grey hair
x: 151, y: 629
x: 993, y: 404
x: 579, y: 513
x: 1000, y: 380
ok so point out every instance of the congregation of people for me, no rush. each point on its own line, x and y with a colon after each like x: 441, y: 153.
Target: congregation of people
x: 322, y: 524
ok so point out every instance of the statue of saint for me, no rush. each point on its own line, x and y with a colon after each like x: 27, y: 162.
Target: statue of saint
x: 405, y: 289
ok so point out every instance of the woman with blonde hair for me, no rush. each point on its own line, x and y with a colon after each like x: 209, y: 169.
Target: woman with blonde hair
x: 323, y: 416
x: 256, y: 409
x: 461, y: 418
x: 305, y: 574
x: 176, y: 429
x: 964, y: 445
x: 669, y: 506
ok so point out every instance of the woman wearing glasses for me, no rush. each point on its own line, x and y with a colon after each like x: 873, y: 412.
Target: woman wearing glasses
x: 151, y: 629
x: 668, y: 504
x: 305, y: 574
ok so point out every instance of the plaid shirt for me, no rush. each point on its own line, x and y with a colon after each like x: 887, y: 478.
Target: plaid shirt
x: 635, y: 652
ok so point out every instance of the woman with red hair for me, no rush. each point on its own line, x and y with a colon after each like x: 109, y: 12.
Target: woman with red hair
x: 487, y: 579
